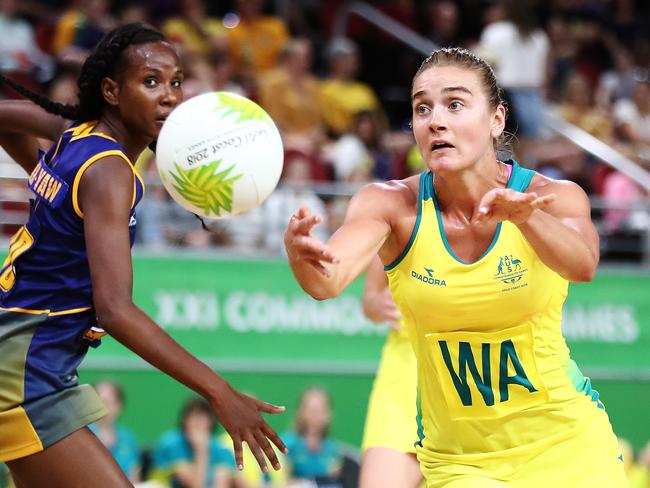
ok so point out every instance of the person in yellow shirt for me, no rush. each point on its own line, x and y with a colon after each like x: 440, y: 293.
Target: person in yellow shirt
x: 388, y: 448
x: 194, y: 31
x: 342, y: 97
x: 478, y: 259
x: 288, y: 93
x: 256, y: 40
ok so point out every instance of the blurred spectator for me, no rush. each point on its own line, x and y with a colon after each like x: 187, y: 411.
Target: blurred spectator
x: 313, y: 453
x: 115, y: 436
x: 519, y: 51
x: 79, y: 29
x: 360, y: 156
x: 342, y: 97
x: 562, y: 51
x: 194, y: 31
x: 633, y: 118
x: 255, y: 40
x: 618, y: 83
x: 20, y: 57
x: 222, y: 74
x: 288, y: 94
x: 263, y: 227
x: 443, y: 23
x: 639, y: 472
x: 191, y: 457
x: 579, y: 108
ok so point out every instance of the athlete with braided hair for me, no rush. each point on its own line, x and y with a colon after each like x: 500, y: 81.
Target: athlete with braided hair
x: 68, y: 276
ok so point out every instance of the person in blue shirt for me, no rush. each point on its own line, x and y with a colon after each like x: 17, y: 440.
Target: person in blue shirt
x: 119, y: 439
x: 190, y: 456
x: 313, y: 453
x: 68, y: 276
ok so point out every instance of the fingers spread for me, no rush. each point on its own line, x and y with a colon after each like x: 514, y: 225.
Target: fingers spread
x: 268, y: 407
x: 257, y: 452
x: 263, y: 442
x: 274, y: 437
x: 239, y: 455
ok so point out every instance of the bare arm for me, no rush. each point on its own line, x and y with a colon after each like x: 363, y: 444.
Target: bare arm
x: 563, y: 235
x: 555, y: 218
x: 325, y: 270
x: 21, y: 122
x: 378, y: 304
x: 106, y: 208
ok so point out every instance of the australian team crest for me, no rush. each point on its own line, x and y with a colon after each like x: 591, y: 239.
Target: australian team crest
x: 510, y: 269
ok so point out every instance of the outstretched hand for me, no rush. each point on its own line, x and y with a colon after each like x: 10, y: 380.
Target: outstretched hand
x: 380, y: 307
x: 240, y: 416
x: 302, y: 246
x: 502, y: 204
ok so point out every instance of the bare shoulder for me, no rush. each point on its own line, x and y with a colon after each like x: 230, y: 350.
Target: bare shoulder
x: 389, y: 196
x: 392, y: 190
x: 570, y: 197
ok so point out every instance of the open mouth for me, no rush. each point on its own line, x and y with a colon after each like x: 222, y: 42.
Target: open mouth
x: 440, y: 145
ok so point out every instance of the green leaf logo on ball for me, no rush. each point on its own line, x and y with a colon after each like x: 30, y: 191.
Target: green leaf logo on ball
x: 206, y: 188
x: 242, y: 107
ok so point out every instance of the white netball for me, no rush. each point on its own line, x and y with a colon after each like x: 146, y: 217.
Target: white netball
x: 219, y: 154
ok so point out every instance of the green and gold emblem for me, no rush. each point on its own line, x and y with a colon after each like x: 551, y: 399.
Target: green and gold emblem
x: 206, y: 188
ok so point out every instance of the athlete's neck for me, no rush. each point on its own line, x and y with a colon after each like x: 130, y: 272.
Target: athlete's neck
x: 460, y: 192
x: 114, y: 127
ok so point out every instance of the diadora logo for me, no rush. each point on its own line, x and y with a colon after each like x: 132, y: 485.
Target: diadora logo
x: 510, y: 270
x: 428, y: 277
x: 132, y: 221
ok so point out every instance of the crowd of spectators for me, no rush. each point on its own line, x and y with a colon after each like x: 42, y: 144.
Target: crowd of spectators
x: 342, y: 103
x: 198, y: 452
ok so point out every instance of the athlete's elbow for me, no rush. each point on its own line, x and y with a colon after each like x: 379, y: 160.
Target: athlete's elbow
x: 585, y: 272
x: 322, y: 293
x: 110, y: 315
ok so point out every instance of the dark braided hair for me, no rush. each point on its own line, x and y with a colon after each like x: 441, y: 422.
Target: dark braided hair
x: 102, y: 62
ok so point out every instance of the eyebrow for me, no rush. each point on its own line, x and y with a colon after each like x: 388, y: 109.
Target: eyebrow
x: 447, y: 89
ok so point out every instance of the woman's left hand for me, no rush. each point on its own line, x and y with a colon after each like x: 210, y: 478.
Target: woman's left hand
x: 502, y: 204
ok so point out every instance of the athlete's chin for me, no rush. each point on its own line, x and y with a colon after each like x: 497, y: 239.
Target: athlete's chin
x: 443, y: 164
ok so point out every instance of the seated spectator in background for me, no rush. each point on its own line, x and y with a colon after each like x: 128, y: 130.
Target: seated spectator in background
x: 361, y: 156
x: 79, y: 29
x: 288, y: 93
x: 313, y: 453
x: 519, y: 49
x: 618, y: 82
x: 342, y: 97
x: 263, y: 227
x: 222, y: 74
x: 116, y: 437
x: 255, y: 40
x: 639, y: 472
x: 633, y: 124
x: 20, y: 57
x: 443, y: 22
x: 633, y: 118
x: 194, y: 31
x: 190, y: 456
x: 564, y: 160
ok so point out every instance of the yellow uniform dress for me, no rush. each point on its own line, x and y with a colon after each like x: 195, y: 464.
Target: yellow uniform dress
x: 500, y: 402
x: 390, y: 421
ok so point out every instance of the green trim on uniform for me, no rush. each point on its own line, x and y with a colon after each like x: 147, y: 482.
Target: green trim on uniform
x: 422, y: 195
x: 16, y: 332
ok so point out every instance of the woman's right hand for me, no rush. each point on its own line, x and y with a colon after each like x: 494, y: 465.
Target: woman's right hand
x: 240, y: 416
x: 302, y: 246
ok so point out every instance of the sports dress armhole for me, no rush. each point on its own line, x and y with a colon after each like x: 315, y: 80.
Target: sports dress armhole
x: 82, y: 169
x: 520, y: 177
x: 423, y: 194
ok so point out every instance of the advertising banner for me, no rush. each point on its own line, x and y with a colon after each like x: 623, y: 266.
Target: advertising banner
x: 250, y: 315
